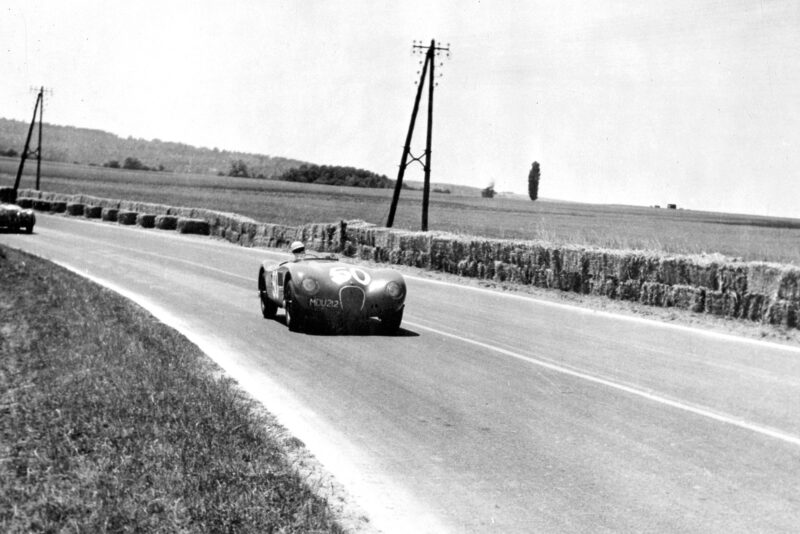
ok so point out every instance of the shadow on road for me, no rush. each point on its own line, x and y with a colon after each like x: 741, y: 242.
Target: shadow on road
x: 371, y: 327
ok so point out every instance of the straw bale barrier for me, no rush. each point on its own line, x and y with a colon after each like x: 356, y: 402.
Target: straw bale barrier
x: 166, y: 222
x: 143, y: 207
x: 193, y: 226
x: 42, y: 205
x: 755, y: 291
x: 93, y: 212
x: 127, y: 217
x: 110, y: 214
x: 146, y: 220
x: 58, y: 206
x: 26, y: 203
x: 75, y: 208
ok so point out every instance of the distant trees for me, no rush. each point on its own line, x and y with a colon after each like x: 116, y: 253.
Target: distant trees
x: 130, y: 163
x: 533, y: 181
x: 335, y: 175
x: 134, y: 164
x: 488, y: 192
x: 239, y: 169
x: 10, y: 153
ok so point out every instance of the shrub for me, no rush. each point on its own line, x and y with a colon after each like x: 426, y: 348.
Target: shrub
x: 41, y: 205
x: 166, y: 222
x: 74, y: 208
x: 193, y: 226
x: 26, y: 203
x: 58, y: 206
x: 146, y: 220
x: 127, y: 217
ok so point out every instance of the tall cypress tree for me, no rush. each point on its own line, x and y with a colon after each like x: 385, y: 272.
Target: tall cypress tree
x: 533, y: 181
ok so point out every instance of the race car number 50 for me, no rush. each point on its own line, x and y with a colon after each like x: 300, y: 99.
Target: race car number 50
x: 342, y: 275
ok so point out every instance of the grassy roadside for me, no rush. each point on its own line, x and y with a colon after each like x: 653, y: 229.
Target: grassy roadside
x: 110, y: 421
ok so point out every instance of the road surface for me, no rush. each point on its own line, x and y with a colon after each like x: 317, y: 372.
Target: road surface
x: 489, y: 412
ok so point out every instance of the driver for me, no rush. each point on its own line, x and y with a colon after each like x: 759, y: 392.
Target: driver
x: 299, y: 250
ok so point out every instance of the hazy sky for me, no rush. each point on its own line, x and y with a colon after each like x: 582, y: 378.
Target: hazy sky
x: 694, y: 102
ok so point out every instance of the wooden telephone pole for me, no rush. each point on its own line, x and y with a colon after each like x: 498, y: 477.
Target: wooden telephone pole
x: 431, y: 51
x: 27, y: 151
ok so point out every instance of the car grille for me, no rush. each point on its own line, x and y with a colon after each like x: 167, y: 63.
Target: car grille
x: 352, y: 299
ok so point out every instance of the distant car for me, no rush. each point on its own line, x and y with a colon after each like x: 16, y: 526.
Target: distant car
x: 16, y: 219
x: 325, y: 289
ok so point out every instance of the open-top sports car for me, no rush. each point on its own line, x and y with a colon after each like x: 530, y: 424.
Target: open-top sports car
x: 312, y: 287
x: 15, y: 219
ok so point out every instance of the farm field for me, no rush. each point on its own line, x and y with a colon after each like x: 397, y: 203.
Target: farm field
x: 463, y: 212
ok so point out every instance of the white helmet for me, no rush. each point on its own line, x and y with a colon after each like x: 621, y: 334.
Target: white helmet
x: 298, y: 247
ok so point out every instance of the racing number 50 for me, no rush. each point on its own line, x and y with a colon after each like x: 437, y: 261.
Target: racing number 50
x: 342, y: 275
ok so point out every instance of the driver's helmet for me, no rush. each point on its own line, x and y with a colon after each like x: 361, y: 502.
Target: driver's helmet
x: 298, y: 247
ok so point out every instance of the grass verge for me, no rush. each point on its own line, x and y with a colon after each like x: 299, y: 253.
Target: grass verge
x: 110, y: 421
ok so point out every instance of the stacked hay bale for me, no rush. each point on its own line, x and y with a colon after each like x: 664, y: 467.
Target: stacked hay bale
x: 92, y: 212
x: 166, y: 222
x: 146, y: 220
x: 109, y: 214
x: 711, y: 284
x: 126, y: 217
x: 193, y: 226
x: 75, y: 208
x: 42, y: 205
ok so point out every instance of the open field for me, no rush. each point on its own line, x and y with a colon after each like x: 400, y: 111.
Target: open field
x: 672, y: 231
x: 112, y: 422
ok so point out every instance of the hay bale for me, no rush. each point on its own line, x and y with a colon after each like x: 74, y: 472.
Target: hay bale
x: 686, y: 297
x: 127, y: 217
x: 724, y: 303
x: 74, y: 208
x: 789, y: 287
x: 92, y: 212
x: 42, y: 205
x: 764, y: 278
x: 26, y: 203
x: 109, y: 214
x: 146, y: 220
x: 58, y: 206
x: 166, y: 222
x: 193, y: 226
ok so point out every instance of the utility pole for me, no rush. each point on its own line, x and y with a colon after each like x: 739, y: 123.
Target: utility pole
x: 27, y: 151
x: 431, y: 52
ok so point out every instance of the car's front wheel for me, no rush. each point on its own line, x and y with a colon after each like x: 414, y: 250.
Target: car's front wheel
x: 390, y: 322
x: 268, y: 308
x: 294, y: 316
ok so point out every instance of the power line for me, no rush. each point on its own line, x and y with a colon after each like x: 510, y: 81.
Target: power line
x: 26, y: 152
x: 431, y: 52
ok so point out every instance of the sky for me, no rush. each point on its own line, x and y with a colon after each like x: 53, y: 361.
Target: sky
x: 692, y: 102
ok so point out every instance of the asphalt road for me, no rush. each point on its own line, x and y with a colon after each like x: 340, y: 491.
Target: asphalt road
x: 489, y: 412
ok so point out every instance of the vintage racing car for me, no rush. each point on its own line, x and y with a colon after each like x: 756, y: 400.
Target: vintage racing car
x: 320, y: 287
x: 15, y: 219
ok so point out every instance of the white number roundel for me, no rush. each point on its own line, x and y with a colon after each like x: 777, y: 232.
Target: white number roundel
x: 360, y: 275
x: 342, y: 275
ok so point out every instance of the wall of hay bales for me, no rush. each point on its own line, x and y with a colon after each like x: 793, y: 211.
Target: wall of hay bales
x: 755, y: 291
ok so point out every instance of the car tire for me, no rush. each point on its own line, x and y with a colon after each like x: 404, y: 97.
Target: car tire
x: 29, y: 229
x: 390, y: 322
x: 268, y: 308
x: 294, y: 317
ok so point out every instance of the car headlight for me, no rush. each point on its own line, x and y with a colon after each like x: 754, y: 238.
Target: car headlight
x: 310, y: 286
x: 394, y: 290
